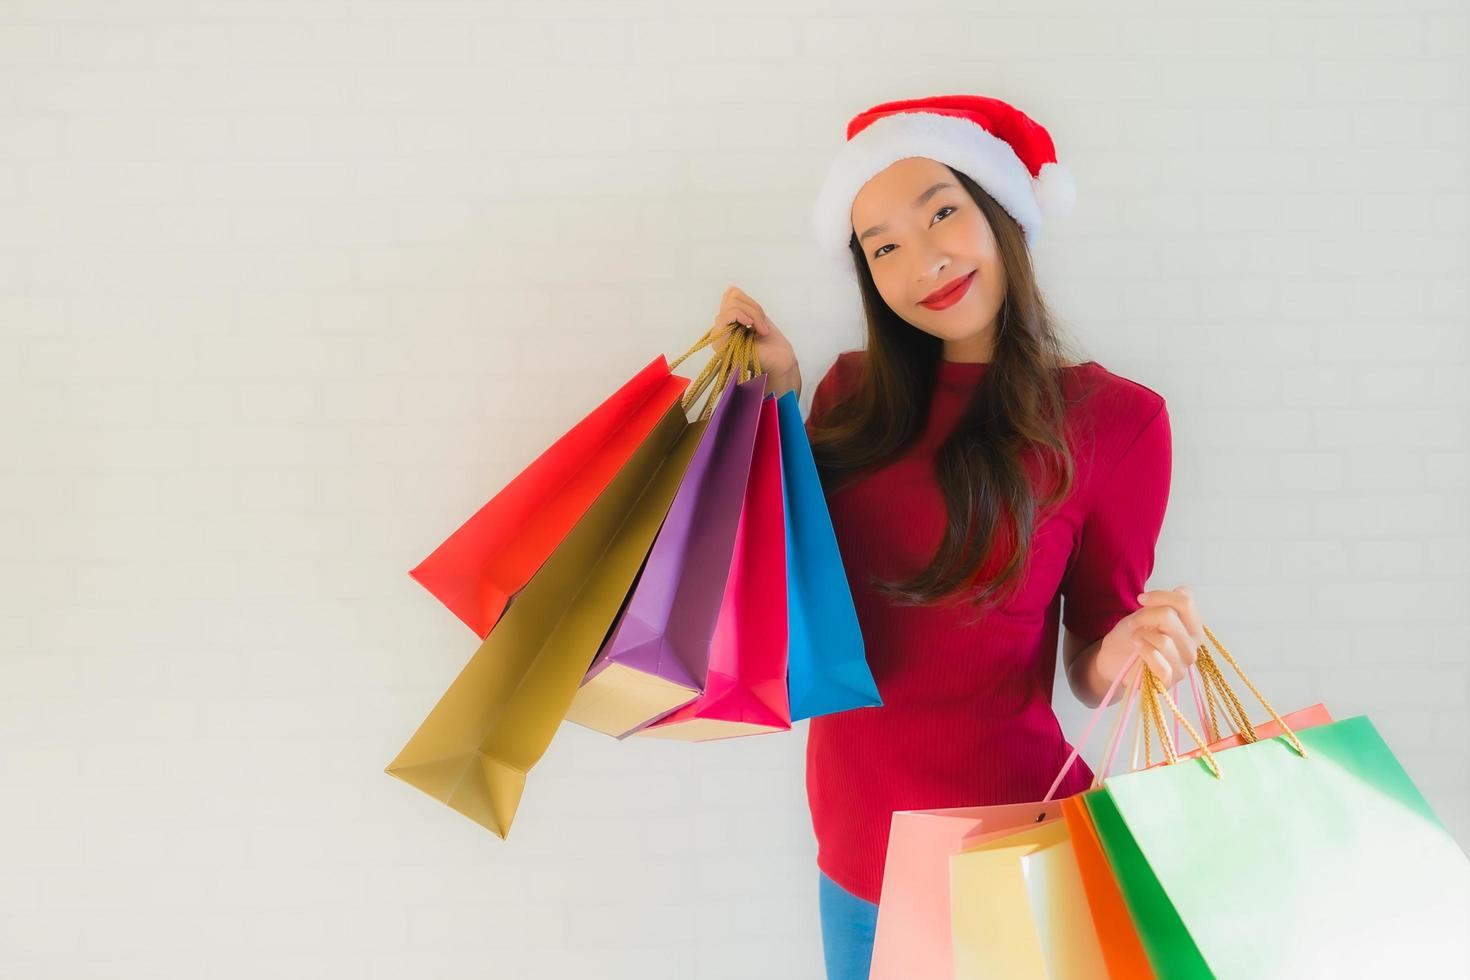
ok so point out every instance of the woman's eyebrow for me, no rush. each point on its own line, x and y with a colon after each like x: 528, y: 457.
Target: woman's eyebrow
x: 917, y: 203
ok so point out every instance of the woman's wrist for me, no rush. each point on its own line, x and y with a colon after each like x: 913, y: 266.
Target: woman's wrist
x: 1092, y: 674
x: 786, y: 381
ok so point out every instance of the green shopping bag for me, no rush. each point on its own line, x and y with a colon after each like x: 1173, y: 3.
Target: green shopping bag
x: 1311, y: 854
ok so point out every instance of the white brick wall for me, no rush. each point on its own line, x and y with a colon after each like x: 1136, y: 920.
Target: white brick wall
x: 284, y: 292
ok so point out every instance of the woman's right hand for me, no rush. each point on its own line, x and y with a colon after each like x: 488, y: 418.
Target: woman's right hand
x: 1165, y: 632
x: 777, y: 357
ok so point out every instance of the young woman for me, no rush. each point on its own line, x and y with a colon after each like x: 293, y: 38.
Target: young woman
x: 985, y: 491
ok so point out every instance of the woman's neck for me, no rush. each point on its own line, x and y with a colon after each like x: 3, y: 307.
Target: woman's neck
x: 973, y: 349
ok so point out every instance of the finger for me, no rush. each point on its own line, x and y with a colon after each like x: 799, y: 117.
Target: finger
x: 1181, y: 600
x: 734, y: 296
x: 1167, y: 648
x: 1155, y: 649
x: 741, y: 313
x: 1183, y: 644
x: 760, y: 323
x: 737, y: 296
x: 1165, y: 619
x: 758, y: 319
x: 763, y: 322
x: 1159, y: 597
x: 1190, y: 615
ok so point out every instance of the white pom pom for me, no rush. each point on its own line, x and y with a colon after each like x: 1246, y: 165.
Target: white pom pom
x: 1055, y: 192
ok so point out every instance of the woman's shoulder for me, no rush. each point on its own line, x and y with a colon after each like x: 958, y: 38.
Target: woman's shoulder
x: 850, y: 362
x: 1105, y: 394
x: 844, y: 370
x: 834, y: 384
x: 1113, y: 412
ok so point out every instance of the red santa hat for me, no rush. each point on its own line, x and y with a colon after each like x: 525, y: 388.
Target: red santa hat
x: 997, y: 145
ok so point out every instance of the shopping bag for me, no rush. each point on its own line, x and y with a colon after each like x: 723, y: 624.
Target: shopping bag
x: 1121, y: 948
x: 912, y: 936
x: 1019, y: 911
x: 1065, y: 932
x: 656, y: 658
x: 914, y: 931
x: 498, y: 717
x: 745, y: 692
x: 1017, y: 907
x: 1327, y: 864
x: 1118, y: 941
x: 493, y: 554
x: 915, y: 912
x: 828, y: 667
x: 1311, y: 853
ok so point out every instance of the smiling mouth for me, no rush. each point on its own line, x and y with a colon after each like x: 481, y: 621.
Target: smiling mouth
x: 950, y: 295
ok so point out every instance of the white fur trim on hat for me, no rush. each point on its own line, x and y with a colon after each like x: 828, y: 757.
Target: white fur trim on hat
x: 985, y: 158
x: 1055, y: 190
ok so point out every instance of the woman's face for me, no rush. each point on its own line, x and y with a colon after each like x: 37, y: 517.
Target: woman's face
x: 925, y: 240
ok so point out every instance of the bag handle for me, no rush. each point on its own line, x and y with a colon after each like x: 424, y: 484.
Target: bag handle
x: 739, y: 359
x: 1149, y: 687
x: 1124, y: 710
x: 1118, y: 729
x: 1092, y: 723
x: 1215, y: 683
x: 1121, y: 726
x: 747, y: 356
x: 1153, y: 714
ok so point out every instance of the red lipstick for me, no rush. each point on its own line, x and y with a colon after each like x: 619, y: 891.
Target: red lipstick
x: 948, y: 295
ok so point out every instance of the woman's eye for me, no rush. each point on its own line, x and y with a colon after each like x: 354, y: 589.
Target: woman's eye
x: 947, y: 207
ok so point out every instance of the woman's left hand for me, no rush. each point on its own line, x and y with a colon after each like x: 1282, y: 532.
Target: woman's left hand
x: 1166, y: 632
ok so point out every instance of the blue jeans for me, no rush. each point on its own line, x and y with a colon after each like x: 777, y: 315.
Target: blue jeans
x: 847, y: 931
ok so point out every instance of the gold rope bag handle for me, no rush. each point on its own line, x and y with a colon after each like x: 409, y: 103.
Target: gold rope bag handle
x: 1151, y: 715
x: 1249, y: 734
x: 1218, y: 692
x: 737, y: 358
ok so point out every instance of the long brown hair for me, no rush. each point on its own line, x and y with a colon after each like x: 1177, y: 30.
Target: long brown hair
x: 1020, y: 408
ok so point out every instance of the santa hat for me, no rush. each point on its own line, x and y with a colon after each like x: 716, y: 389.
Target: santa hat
x: 997, y: 145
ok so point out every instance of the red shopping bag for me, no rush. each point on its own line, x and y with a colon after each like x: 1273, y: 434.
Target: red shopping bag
x: 478, y: 569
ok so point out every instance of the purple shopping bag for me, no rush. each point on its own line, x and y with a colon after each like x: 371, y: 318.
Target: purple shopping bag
x: 656, y: 656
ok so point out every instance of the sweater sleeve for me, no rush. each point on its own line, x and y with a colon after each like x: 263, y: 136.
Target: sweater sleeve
x: 1115, y: 556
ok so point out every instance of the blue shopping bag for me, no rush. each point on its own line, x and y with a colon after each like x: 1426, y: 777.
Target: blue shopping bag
x: 828, y: 664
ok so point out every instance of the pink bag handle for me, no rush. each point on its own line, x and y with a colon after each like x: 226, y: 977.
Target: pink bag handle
x: 1097, y: 712
x: 1174, y: 693
x: 1199, y: 708
x: 1129, y: 700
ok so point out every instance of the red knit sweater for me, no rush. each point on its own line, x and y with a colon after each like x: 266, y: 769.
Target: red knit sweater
x: 967, y: 717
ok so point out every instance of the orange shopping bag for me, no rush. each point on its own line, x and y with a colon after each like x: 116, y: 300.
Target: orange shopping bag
x: 1121, y: 949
